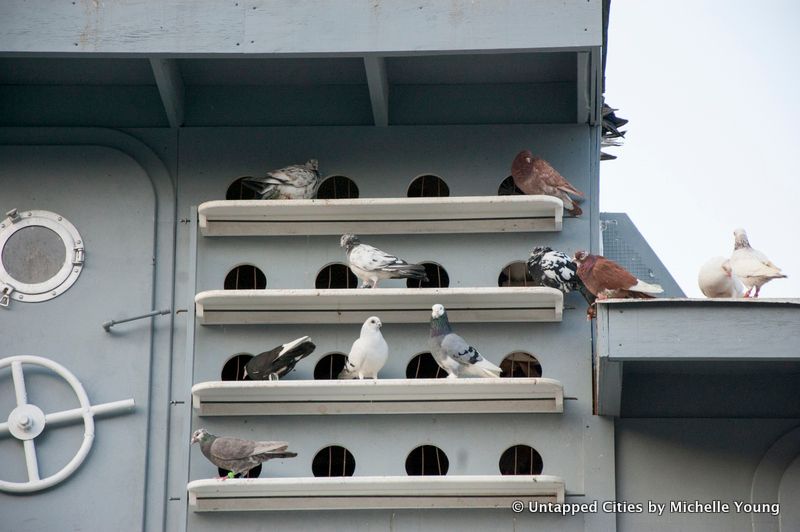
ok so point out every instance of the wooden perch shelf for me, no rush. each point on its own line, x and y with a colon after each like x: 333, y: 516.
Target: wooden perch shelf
x: 382, y: 396
x: 393, y: 305
x: 357, y: 493
x: 370, y: 216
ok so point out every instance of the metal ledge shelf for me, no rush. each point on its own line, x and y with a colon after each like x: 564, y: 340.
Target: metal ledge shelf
x: 360, y: 493
x: 465, y: 214
x: 393, y: 305
x: 382, y: 396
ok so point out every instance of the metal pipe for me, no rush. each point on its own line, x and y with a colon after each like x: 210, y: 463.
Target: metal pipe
x: 107, y: 325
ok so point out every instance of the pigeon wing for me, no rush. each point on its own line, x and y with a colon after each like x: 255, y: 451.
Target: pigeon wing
x: 608, y: 275
x: 232, y: 448
x: 458, y: 349
x: 553, y: 178
x: 371, y: 258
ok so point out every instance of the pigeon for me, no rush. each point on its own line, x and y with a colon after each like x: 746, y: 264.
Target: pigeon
x: 368, y: 354
x: 557, y: 270
x: 279, y: 361
x: 372, y: 265
x: 453, y: 354
x: 238, y: 456
x: 751, y: 266
x: 606, y: 279
x: 299, y: 181
x: 534, y: 175
x: 716, y: 279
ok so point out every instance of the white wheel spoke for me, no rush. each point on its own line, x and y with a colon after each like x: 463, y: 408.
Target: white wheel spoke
x: 76, y: 414
x: 19, y: 383
x: 31, y: 461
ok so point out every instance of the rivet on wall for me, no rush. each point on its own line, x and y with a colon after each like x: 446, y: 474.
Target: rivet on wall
x: 427, y: 460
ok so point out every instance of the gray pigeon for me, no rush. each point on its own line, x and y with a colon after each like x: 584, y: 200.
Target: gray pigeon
x: 453, y: 354
x: 371, y: 265
x: 279, y: 361
x: 299, y: 181
x: 368, y: 354
x: 238, y: 456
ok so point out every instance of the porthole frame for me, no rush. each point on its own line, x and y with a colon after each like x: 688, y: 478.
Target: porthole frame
x: 74, y: 257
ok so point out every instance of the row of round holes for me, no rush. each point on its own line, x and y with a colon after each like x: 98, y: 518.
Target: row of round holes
x: 421, y: 366
x: 337, y: 461
x: 337, y: 275
x: 341, y: 187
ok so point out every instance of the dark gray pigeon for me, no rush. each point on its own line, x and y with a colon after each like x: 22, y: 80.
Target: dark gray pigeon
x: 453, y: 354
x: 371, y: 265
x: 238, y: 456
x: 555, y: 269
x: 279, y: 361
x: 299, y: 181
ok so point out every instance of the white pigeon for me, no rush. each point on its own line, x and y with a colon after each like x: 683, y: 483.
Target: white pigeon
x: 751, y: 266
x: 368, y: 354
x: 371, y: 265
x: 453, y: 353
x: 716, y: 279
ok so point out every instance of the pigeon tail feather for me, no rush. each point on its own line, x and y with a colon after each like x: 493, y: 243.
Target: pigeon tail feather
x: 646, y: 288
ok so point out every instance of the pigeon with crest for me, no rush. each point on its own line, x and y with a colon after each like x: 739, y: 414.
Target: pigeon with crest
x: 534, y: 175
x: 372, y: 265
x: 299, y: 181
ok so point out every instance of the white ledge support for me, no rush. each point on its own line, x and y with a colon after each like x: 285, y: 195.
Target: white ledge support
x: 375, y: 68
x: 170, y: 87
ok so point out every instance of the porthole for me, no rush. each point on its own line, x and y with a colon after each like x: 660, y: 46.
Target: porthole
x: 437, y: 277
x: 329, y: 366
x: 237, y: 190
x: 508, y: 188
x: 233, y: 370
x: 245, y: 277
x: 41, y: 256
x: 515, y: 274
x: 337, y: 187
x: 423, y: 366
x: 521, y: 460
x: 253, y: 473
x: 428, y: 186
x: 520, y: 364
x: 427, y: 460
x: 333, y: 461
x: 336, y: 275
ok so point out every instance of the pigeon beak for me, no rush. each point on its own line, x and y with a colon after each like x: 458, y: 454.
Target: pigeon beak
x: 527, y: 159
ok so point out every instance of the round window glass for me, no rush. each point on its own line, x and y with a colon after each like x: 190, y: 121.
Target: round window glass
x: 41, y: 255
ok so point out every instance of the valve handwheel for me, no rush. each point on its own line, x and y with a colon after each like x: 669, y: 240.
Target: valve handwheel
x: 27, y: 421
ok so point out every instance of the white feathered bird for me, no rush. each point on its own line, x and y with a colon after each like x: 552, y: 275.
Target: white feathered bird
x: 372, y: 265
x: 368, y: 354
x: 751, y: 266
x: 716, y: 279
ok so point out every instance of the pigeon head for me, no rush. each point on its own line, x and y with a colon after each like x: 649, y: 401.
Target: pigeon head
x: 522, y: 165
x: 349, y: 241
x: 437, y: 311
x: 580, y: 256
x: 373, y: 323
x: 740, y: 239
x: 200, y: 435
x: 312, y: 164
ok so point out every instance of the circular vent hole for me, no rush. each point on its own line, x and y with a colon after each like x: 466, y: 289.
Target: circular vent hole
x: 333, y: 461
x: 237, y: 190
x: 515, y: 274
x: 428, y: 186
x: 253, y: 473
x: 337, y: 187
x: 233, y: 370
x: 336, y: 275
x: 427, y: 460
x: 508, y: 188
x: 437, y: 277
x: 329, y: 366
x: 521, y: 460
x: 520, y: 364
x: 245, y: 277
x: 423, y: 366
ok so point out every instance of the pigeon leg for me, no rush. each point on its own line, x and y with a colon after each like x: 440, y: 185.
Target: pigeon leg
x: 758, y: 289
x: 451, y: 376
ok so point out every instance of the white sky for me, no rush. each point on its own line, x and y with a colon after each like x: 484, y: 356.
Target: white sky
x: 712, y: 92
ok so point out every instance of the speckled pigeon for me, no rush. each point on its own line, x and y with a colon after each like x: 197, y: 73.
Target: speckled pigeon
x: 238, y: 456
x: 452, y: 353
x: 606, y: 279
x: 372, y: 265
x: 279, y: 361
x: 534, y: 175
x: 368, y: 354
x: 751, y: 266
x: 556, y: 269
x: 299, y: 181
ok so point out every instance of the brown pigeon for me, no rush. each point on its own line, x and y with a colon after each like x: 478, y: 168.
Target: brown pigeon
x: 534, y: 175
x: 606, y: 279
